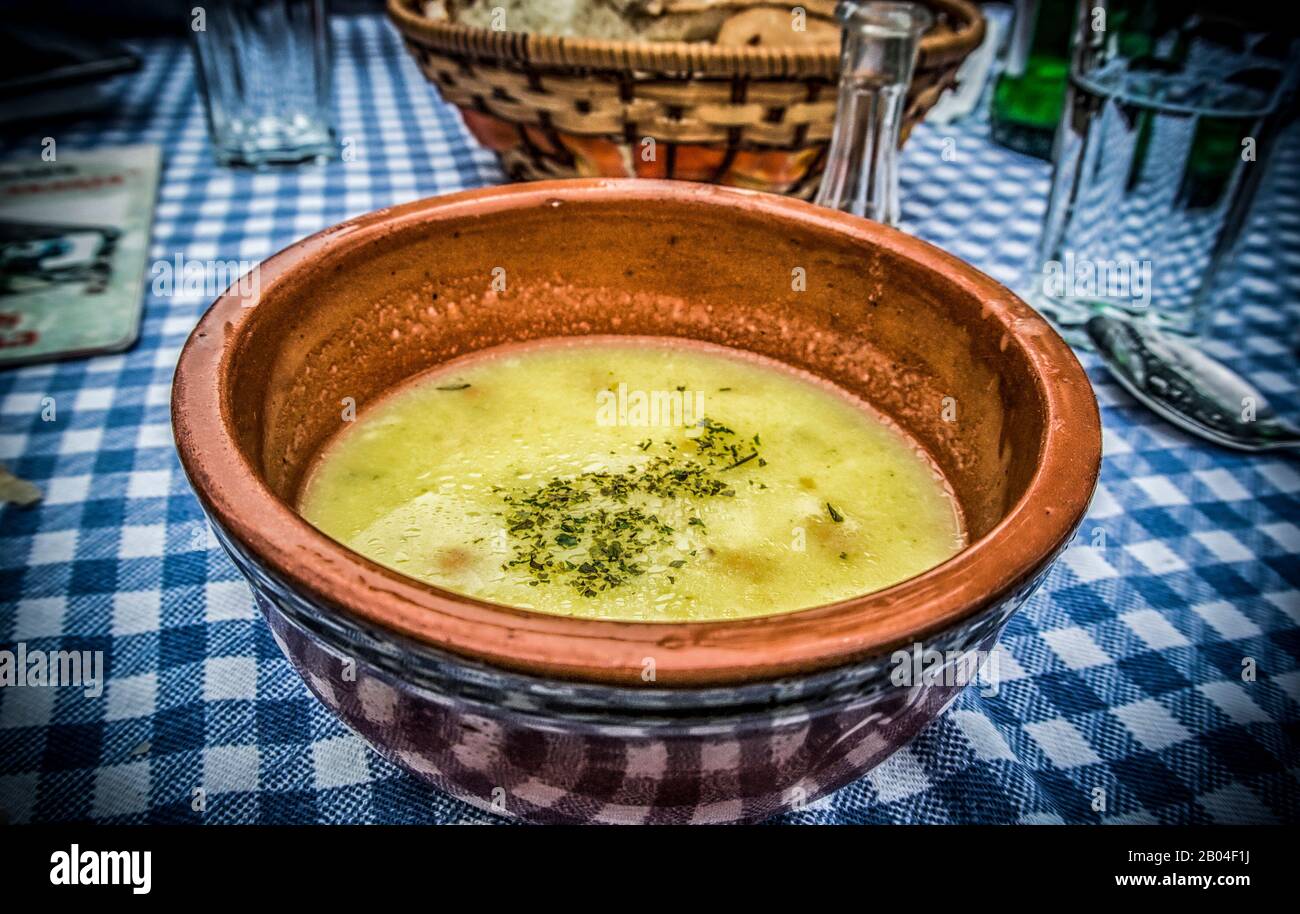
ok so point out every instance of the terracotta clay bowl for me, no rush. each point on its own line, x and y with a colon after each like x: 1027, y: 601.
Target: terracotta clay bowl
x: 550, y: 719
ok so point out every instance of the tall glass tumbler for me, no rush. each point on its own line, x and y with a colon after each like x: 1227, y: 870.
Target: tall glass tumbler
x: 877, y: 55
x: 1169, y: 118
x: 264, y: 71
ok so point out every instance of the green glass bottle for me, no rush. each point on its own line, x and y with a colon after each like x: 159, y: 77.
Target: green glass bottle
x: 1030, y: 92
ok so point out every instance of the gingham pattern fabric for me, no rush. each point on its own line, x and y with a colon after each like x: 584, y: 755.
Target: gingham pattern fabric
x: 1122, y: 696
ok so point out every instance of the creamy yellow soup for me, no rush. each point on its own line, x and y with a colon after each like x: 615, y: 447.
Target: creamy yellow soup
x: 633, y: 479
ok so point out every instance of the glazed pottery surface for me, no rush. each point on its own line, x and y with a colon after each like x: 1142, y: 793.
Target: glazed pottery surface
x: 558, y: 719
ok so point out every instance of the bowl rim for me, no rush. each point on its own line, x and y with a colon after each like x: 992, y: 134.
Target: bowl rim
x: 685, y: 654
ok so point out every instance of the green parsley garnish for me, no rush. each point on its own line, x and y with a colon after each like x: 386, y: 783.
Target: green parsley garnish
x: 599, y: 530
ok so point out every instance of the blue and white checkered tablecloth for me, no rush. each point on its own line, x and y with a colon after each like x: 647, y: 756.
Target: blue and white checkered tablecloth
x: 1122, y: 694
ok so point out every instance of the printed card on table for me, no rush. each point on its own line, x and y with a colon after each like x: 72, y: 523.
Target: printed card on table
x: 74, y: 236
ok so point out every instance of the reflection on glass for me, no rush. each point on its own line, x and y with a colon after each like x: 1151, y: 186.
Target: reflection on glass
x: 1161, y: 143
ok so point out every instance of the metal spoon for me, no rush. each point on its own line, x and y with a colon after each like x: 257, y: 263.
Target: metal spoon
x: 1189, y: 388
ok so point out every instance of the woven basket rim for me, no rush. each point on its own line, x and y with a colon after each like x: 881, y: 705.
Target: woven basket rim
x: 527, y: 49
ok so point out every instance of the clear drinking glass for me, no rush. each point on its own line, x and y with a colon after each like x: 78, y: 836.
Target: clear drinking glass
x: 264, y: 70
x: 1167, y: 122
x: 877, y: 55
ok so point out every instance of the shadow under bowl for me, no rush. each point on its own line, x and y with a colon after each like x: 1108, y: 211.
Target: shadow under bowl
x: 552, y: 719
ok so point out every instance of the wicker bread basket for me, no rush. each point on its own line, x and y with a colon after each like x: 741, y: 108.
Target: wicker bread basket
x: 757, y: 117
